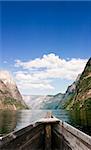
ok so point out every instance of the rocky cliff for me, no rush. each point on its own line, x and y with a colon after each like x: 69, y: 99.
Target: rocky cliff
x: 10, y: 96
x: 81, y: 98
x: 69, y: 94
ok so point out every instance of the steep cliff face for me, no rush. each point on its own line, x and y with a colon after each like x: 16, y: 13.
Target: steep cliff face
x: 4, y: 91
x: 82, y: 96
x: 69, y: 94
x: 10, y: 96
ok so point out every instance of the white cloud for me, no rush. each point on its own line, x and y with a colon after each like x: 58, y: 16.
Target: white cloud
x: 47, y: 61
x: 30, y: 82
x: 40, y: 72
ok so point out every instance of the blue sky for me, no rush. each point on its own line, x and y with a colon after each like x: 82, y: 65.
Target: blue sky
x: 30, y: 30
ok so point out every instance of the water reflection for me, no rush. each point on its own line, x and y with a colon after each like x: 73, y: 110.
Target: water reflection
x: 81, y: 120
x: 7, y: 121
x: 15, y: 120
x: 25, y: 117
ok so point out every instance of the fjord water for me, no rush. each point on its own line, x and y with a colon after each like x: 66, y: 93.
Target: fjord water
x: 15, y: 120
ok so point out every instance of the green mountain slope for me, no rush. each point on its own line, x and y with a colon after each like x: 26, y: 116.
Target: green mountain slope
x: 82, y: 97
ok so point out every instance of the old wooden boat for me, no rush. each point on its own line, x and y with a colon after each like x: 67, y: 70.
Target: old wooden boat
x: 46, y: 134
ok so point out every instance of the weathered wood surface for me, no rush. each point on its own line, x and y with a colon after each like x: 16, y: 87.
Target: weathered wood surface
x: 46, y: 134
x: 48, y: 137
x: 47, y: 127
x: 59, y: 143
x: 33, y: 137
x: 48, y: 120
x: 29, y: 138
x: 70, y: 137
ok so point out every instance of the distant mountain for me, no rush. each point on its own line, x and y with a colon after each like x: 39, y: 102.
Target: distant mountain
x: 53, y: 102
x: 42, y: 102
x: 35, y: 101
x: 81, y: 97
x: 10, y: 97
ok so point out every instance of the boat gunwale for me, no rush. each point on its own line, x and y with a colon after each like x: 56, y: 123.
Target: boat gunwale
x: 60, y: 126
x: 14, y: 134
x: 79, y: 134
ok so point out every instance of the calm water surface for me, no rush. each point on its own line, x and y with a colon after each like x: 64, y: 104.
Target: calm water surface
x: 15, y: 120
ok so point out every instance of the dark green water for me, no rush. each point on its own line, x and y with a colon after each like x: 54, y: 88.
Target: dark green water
x: 15, y: 120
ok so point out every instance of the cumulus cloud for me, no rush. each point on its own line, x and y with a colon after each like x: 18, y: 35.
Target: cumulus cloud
x: 47, y: 61
x: 40, y: 72
x: 53, y: 66
x: 32, y: 81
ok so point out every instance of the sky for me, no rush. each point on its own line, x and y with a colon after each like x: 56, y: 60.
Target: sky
x: 45, y: 45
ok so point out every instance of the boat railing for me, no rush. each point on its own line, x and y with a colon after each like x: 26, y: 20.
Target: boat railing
x: 48, y: 133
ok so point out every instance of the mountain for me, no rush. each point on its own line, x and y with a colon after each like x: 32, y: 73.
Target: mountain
x: 42, y: 102
x: 81, y: 98
x: 53, y: 102
x: 10, y: 96
x: 69, y: 94
x: 36, y: 101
